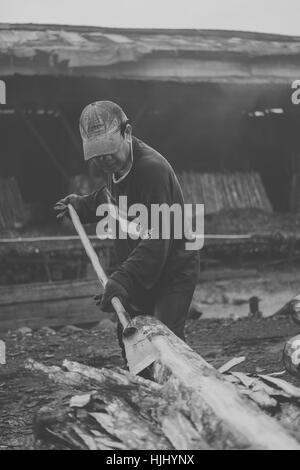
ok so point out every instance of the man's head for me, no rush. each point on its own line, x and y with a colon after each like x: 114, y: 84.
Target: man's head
x: 106, y: 136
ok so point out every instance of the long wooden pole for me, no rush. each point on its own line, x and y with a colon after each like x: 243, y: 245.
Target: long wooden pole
x: 124, y: 320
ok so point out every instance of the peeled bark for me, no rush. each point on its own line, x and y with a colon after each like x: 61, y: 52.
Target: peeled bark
x: 186, y: 405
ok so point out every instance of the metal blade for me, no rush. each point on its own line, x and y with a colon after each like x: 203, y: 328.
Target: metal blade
x: 140, y: 352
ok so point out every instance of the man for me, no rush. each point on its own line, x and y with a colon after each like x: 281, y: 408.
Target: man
x: 157, y: 276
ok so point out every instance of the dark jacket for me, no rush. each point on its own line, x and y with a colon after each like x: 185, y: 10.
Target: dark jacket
x: 147, y: 267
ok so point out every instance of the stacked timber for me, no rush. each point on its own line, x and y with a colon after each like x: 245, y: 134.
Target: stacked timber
x: 225, y: 191
x: 12, y: 209
x: 186, y: 405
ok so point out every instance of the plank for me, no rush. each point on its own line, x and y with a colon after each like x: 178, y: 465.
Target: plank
x: 56, y: 313
x: 48, y: 304
x: 46, y: 291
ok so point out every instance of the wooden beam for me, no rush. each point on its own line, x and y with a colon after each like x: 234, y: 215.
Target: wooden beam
x: 48, y: 304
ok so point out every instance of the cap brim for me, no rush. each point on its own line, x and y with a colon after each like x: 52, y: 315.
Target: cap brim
x: 101, y: 145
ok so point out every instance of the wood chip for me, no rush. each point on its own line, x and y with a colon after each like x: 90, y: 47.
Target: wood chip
x: 230, y: 364
x: 80, y: 401
x: 283, y: 385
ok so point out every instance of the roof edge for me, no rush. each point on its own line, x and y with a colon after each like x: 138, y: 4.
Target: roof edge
x: 189, y: 32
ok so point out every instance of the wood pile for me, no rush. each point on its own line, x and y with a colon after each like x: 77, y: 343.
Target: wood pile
x: 225, y: 191
x: 12, y: 209
x: 218, y: 191
x: 186, y: 405
x: 265, y: 248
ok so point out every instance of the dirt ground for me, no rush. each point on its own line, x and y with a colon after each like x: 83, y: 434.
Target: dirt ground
x: 229, y: 297
x: 225, y: 330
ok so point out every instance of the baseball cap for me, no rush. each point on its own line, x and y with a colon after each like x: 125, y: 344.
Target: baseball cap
x: 100, y: 124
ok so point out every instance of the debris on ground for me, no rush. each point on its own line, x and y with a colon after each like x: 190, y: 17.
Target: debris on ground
x: 260, y: 340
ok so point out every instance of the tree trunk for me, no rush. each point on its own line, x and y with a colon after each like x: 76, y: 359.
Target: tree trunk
x: 217, y: 408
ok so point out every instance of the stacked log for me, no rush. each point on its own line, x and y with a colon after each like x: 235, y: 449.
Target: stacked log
x: 225, y: 191
x: 114, y: 410
x: 186, y: 405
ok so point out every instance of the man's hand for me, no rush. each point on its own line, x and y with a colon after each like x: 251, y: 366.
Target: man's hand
x: 112, y: 289
x: 129, y: 307
x: 98, y: 299
x: 62, y: 205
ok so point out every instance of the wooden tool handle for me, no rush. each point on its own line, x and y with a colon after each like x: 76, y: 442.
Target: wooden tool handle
x: 116, y: 303
x: 121, y: 312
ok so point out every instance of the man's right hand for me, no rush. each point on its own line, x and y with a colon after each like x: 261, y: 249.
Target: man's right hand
x: 114, y: 289
x: 61, y: 207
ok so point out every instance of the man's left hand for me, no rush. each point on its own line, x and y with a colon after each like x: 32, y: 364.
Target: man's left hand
x: 113, y: 289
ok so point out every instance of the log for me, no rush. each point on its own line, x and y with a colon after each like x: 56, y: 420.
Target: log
x: 120, y: 411
x: 186, y: 405
x: 217, y: 409
x: 291, y: 308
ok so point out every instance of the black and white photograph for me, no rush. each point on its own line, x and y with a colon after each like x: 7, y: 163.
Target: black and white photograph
x: 149, y: 227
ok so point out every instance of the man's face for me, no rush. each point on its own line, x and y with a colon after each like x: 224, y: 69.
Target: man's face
x: 112, y: 163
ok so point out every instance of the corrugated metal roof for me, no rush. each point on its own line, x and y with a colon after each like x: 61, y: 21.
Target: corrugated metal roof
x: 76, y: 46
x: 78, y: 49
x: 114, y: 45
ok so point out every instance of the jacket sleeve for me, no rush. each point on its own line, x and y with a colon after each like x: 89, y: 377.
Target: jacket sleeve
x: 86, y: 206
x: 146, y: 262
